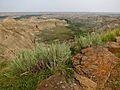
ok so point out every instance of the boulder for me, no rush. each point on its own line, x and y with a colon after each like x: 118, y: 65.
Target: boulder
x: 118, y: 40
x: 55, y: 82
x: 96, y: 64
x: 85, y: 83
x: 114, y: 79
x: 113, y: 47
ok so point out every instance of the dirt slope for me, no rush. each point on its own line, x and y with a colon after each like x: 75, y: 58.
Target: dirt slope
x: 18, y: 34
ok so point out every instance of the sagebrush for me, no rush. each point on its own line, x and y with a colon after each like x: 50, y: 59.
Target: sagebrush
x: 42, y: 57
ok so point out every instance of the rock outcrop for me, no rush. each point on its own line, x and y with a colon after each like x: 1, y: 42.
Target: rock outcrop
x: 55, y: 82
x: 95, y: 63
x: 113, y: 47
x: 114, y: 79
x: 84, y: 83
x: 93, y: 67
x: 118, y: 39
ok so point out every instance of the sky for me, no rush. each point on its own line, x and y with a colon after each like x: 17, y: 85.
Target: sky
x: 60, y: 5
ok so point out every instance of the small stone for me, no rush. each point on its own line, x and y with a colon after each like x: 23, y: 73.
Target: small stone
x: 58, y: 83
x: 61, y: 82
x: 46, y: 85
x: 63, y: 87
x: 74, y: 84
x: 55, y: 87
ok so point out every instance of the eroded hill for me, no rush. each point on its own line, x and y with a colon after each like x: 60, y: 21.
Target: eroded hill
x: 20, y: 34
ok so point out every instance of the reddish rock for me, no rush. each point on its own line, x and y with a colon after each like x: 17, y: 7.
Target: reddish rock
x: 96, y: 63
x: 114, y: 79
x: 55, y: 82
x: 118, y: 40
x: 85, y: 83
x: 76, y: 59
x: 113, y: 47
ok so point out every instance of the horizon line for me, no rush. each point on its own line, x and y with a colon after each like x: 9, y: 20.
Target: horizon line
x: 56, y: 12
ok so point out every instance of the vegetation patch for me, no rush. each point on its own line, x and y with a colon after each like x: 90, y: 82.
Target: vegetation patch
x: 110, y: 35
x: 41, y: 58
x: 59, y: 33
x: 24, y: 82
x: 92, y: 39
x: 30, y: 67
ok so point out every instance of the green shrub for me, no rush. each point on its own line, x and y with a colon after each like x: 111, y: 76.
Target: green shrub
x: 24, y: 61
x: 41, y: 58
x: 91, y: 39
x: 54, y: 55
x: 88, y: 40
x: 110, y: 35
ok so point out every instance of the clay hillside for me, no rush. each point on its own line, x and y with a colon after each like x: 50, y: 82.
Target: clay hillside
x: 16, y: 35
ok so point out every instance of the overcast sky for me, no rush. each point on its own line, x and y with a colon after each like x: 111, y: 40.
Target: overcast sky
x: 60, y: 5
